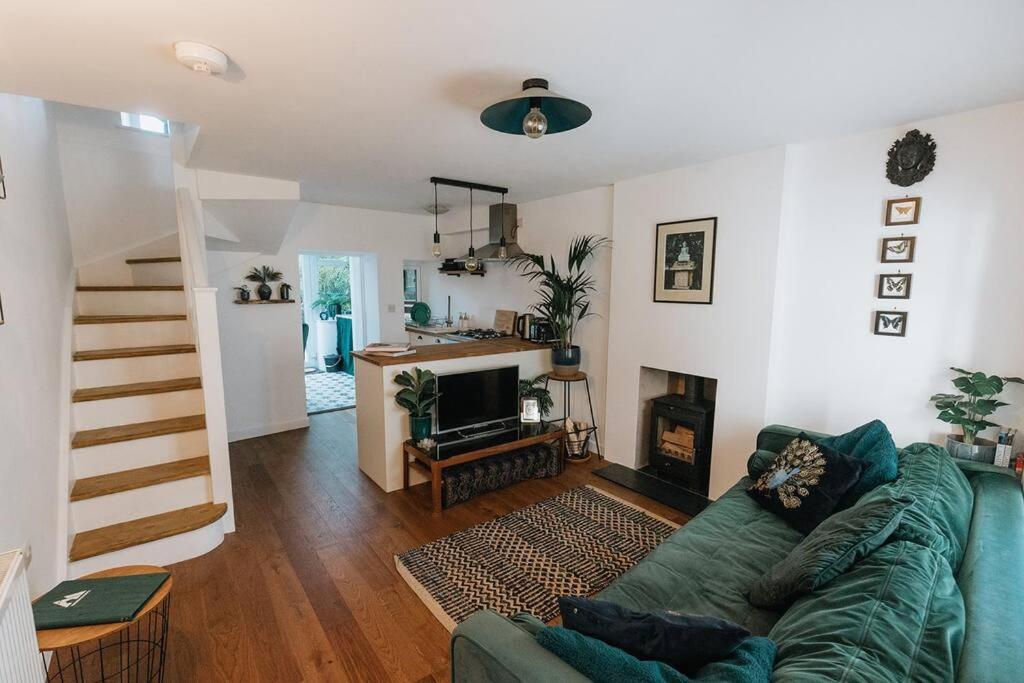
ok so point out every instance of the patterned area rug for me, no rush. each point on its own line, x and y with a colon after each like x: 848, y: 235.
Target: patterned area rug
x: 575, y: 543
x: 329, y: 391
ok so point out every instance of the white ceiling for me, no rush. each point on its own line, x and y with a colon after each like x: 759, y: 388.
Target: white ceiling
x: 363, y: 101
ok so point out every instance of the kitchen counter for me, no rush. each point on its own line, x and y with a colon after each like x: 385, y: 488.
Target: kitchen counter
x: 382, y: 426
x: 468, y: 349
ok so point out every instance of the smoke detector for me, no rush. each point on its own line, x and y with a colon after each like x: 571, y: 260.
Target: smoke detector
x: 201, y: 58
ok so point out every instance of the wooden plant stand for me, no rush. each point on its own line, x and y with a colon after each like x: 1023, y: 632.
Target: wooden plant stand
x: 433, y: 467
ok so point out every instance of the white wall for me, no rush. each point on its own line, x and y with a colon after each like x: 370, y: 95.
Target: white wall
x: 118, y: 183
x: 35, y: 288
x: 548, y: 225
x: 261, y: 346
x: 829, y: 372
x: 728, y: 340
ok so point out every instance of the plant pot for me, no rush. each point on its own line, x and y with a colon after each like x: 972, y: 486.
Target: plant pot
x: 264, y: 292
x: 565, y: 362
x: 982, y: 450
x: 419, y: 427
x: 244, y: 294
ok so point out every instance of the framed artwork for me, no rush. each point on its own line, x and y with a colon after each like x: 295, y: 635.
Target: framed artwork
x: 904, y: 211
x: 898, y: 249
x: 684, y: 261
x: 891, y: 323
x: 529, y: 411
x: 894, y: 285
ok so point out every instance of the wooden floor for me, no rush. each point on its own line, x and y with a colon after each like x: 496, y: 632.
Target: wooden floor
x: 306, y: 589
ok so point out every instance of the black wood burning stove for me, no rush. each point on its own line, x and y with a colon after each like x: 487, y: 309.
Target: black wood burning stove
x: 681, y: 431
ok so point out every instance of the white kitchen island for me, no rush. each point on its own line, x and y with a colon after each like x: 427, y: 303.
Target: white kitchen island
x: 382, y: 425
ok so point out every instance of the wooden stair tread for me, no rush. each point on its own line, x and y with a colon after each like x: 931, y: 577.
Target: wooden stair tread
x: 136, y: 389
x: 104, y: 319
x: 134, y: 352
x: 130, y: 288
x: 155, y: 259
x: 141, y: 430
x: 127, y: 480
x: 138, y: 531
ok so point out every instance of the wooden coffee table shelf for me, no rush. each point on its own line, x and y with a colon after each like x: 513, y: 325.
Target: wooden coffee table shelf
x: 433, y: 467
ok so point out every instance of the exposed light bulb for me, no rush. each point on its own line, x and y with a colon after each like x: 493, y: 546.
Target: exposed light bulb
x: 535, y: 124
x: 471, y: 261
x: 502, y: 249
x: 436, y: 248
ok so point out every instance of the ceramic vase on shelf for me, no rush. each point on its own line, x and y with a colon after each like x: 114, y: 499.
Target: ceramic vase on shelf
x: 264, y: 292
x: 565, y: 362
x: 285, y: 291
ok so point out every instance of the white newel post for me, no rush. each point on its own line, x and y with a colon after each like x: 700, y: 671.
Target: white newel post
x: 208, y: 343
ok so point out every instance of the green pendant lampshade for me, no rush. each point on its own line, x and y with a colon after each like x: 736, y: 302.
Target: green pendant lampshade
x: 535, y: 111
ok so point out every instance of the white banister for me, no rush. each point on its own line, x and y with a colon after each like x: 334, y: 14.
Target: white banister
x: 202, y: 312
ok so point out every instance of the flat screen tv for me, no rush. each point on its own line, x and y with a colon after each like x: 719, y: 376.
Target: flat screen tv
x: 477, y: 398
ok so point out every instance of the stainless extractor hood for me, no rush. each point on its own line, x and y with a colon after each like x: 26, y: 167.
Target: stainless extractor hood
x: 489, y: 252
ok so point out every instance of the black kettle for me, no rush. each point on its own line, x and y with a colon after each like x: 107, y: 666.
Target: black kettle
x: 524, y: 325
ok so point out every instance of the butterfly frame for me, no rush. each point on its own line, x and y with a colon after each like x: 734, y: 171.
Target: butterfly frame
x: 898, y: 249
x: 906, y: 211
x: 891, y: 323
x: 894, y: 285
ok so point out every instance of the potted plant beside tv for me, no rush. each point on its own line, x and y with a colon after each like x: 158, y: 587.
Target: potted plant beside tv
x: 978, y: 398
x: 264, y: 275
x: 564, y: 295
x: 417, y: 395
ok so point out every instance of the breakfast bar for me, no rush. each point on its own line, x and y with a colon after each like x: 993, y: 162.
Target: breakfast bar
x: 383, y: 426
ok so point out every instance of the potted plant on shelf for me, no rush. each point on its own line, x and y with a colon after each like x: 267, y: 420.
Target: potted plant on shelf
x: 263, y: 275
x: 417, y: 395
x: 564, y: 296
x: 332, y: 304
x: 243, y: 293
x: 968, y: 409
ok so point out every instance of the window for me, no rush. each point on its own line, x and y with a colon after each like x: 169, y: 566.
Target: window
x: 145, y: 122
x: 411, y: 288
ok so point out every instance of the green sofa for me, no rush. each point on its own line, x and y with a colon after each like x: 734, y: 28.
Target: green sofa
x: 940, y: 601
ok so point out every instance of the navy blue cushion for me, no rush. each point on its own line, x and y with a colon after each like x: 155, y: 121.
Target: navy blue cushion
x: 682, y: 641
x: 805, y: 483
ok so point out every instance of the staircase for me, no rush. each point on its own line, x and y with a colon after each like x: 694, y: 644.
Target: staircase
x: 142, y: 490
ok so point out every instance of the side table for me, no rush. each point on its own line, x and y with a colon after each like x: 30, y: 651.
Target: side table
x: 130, y: 650
x: 567, y: 381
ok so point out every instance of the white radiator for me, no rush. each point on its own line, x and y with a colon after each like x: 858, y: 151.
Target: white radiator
x: 19, y: 650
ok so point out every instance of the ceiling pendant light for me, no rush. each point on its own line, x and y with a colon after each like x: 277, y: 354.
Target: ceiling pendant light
x: 535, y: 112
x: 436, y: 248
x: 502, y: 245
x: 471, y: 261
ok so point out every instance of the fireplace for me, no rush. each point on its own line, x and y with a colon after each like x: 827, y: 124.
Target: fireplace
x: 681, y: 428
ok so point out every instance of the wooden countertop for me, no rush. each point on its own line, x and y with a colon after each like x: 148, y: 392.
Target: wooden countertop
x: 425, y: 354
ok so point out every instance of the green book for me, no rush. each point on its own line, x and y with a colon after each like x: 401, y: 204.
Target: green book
x: 84, y: 602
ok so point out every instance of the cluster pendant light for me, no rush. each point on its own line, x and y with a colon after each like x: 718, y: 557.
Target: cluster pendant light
x: 471, y: 261
x: 436, y: 248
x: 535, y: 112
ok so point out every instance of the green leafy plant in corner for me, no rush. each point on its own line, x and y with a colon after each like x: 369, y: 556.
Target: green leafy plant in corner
x: 263, y: 275
x: 976, y: 401
x: 336, y: 302
x: 564, y: 295
x: 534, y: 388
x: 418, y: 393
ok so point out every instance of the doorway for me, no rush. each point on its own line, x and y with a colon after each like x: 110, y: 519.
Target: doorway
x: 332, y: 327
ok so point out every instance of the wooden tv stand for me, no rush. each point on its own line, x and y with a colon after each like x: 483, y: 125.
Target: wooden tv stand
x: 433, y: 467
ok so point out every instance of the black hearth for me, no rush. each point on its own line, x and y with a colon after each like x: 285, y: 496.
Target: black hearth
x: 680, y: 436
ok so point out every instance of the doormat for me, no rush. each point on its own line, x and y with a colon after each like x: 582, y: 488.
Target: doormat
x: 575, y: 543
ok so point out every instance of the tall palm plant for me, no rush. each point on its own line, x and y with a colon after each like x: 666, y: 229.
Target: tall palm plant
x: 564, y: 295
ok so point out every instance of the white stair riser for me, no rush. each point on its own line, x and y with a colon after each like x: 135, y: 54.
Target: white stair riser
x: 133, y: 409
x: 124, y: 335
x: 102, y: 373
x: 128, y: 455
x: 150, y: 500
x: 156, y: 273
x: 130, y: 303
x: 161, y: 553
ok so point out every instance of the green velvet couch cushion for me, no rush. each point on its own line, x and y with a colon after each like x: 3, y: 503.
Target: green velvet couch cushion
x: 759, y: 461
x: 833, y: 547
x: 940, y: 516
x: 872, y: 444
x: 695, y: 572
x: 897, y: 615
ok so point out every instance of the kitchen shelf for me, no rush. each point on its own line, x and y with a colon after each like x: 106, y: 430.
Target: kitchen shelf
x: 464, y: 271
x: 268, y: 301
